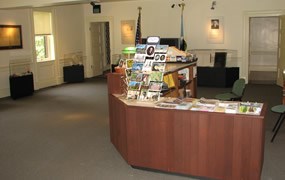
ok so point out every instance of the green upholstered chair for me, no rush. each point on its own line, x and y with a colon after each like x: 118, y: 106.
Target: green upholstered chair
x: 281, y: 110
x: 236, y: 93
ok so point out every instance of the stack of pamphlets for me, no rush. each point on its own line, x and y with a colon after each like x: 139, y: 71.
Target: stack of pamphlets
x: 205, y: 105
x: 227, y: 107
x: 174, y: 103
x: 250, y: 108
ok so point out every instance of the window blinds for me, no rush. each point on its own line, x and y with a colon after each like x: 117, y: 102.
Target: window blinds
x: 42, y: 23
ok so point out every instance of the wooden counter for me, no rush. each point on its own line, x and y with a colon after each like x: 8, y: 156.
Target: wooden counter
x: 203, y: 144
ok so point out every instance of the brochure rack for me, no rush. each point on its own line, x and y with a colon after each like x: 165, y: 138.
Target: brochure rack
x: 158, y: 70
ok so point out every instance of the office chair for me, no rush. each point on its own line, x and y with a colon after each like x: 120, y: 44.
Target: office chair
x: 236, y: 93
x: 281, y: 110
x: 220, y: 59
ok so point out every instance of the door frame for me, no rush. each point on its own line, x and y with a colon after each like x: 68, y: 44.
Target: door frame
x: 88, y: 52
x: 245, y: 45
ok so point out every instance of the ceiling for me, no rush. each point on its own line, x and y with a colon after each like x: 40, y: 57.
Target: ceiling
x: 8, y: 4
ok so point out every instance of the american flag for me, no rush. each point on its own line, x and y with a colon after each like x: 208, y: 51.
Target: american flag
x: 138, y: 32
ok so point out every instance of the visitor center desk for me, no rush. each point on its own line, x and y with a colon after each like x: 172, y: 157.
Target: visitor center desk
x: 203, y: 144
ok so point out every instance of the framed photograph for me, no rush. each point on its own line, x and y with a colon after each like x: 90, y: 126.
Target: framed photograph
x: 215, y: 23
x: 215, y: 30
x: 10, y: 37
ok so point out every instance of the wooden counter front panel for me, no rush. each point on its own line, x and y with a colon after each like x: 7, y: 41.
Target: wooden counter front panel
x: 148, y: 137
x: 117, y: 113
x: 215, y: 145
x: 115, y: 83
x: 203, y: 144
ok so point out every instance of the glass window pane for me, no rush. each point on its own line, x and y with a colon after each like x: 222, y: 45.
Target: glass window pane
x: 40, y: 43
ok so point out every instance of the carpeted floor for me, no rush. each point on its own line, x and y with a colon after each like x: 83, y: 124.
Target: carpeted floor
x: 62, y: 133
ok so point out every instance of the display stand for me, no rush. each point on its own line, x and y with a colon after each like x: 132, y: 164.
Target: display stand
x: 171, y: 69
x: 21, y: 79
x: 217, y: 76
x: 158, y: 70
x: 73, y: 67
x: 74, y: 73
x: 21, y: 86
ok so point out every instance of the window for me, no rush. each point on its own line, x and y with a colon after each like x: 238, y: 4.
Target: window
x: 44, y: 42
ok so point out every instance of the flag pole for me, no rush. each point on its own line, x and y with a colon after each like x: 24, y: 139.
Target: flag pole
x: 138, y: 37
x: 183, y: 44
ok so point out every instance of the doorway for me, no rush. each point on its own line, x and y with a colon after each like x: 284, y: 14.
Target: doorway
x: 263, y: 49
x: 100, y: 47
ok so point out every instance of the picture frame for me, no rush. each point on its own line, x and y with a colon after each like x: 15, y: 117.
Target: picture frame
x: 128, y: 31
x: 215, y: 26
x: 10, y: 37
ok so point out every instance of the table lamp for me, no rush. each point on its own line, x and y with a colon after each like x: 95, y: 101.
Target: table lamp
x: 129, y: 51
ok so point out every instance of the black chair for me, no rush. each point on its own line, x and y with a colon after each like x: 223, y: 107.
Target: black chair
x: 220, y: 59
x: 281, y: 110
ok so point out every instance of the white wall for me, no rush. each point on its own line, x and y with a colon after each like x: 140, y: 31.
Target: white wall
x: 15, y: 17
x: 69, y: 29
x: 159, y: 19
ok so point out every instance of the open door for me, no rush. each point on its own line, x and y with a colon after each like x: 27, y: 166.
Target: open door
x: 263, y: 49
x: 281, y: 49
x: 97, y: 48
x: 100, y: 47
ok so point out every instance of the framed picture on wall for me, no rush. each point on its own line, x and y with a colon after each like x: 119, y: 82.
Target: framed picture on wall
x: 10, y: 37
x: 215, y: 23
x: 215, y: 26
x: 128, y: 31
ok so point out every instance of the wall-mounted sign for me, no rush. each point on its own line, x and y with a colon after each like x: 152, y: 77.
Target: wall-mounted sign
x: 128, y: 32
